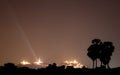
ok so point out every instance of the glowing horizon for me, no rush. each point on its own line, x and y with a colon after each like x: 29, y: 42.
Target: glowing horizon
x: 73, y: 63
x: 38, y: 62
x: 24, y: 62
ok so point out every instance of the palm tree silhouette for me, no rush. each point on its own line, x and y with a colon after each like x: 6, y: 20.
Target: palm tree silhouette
x: 106, y: 53
x: 94, y: 49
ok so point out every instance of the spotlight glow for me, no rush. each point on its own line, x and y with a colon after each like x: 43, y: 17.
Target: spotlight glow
x: 38, y: 62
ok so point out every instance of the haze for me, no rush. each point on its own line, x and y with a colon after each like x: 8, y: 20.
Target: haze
x: 57, y: 30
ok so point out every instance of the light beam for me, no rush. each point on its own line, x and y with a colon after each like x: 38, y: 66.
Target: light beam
x: 24, y: 36
x: 27, y: 41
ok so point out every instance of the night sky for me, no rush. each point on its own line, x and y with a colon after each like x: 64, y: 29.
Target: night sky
x: 57, y: 30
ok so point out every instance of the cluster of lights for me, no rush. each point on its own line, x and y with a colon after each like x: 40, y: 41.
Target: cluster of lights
x: 38, y: 62
x: 24, y: 62
x: 73, y: 63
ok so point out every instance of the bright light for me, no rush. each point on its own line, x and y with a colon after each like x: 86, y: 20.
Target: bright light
x: 73, y: 63
x: 25, y: 62
x: 38, y: 62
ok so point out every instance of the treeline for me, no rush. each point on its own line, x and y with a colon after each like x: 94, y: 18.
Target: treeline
x: 52, y: 69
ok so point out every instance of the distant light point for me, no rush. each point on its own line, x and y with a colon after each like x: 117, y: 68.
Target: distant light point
x: 25, y: 62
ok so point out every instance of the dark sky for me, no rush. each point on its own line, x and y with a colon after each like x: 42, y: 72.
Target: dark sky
x: 57, y: 30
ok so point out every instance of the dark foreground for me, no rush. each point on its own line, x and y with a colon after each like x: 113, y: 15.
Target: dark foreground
x: 11, y: 69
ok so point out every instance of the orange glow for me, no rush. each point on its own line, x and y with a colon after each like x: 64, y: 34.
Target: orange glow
x: 25, y: 62
x: 73, y: 63
x: 38, y: 62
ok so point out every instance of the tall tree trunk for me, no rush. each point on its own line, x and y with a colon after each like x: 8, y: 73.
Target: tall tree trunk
x: 96, y: 63
x: 93, y: 64
x: 101, y: 64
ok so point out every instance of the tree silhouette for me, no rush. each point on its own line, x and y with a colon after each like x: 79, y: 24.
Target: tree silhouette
x: 52, y: 66
x: 93, y: 50
x: 106, y: 53
x: 102, y: 51
x: 10, y: 66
